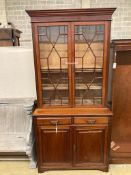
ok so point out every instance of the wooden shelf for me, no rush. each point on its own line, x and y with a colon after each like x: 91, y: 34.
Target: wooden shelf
x: 80, y: 70
x: 47, y: 87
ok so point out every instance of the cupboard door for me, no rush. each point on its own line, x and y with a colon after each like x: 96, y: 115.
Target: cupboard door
x: 89, y: 59
x: 54, y: 146
x: 54, y: 53
x: 89, y: 145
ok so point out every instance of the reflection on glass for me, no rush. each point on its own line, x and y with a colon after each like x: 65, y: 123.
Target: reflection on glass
x: 88, y: 64
x: 54, y: 70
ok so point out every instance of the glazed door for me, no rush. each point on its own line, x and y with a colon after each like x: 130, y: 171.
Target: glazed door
x: 55, y: 146
x: 54, y: 62
x: 89, y: 63
x: 89, y: 145
x: 73, y: 64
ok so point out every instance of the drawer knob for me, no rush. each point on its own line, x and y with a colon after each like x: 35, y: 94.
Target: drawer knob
x: 91, y: 121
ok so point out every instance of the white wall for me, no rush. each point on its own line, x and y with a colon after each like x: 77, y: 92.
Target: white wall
x: 17, y: 78
x: 121, y: 23
x: 85, y: 3
x: 3, y: 13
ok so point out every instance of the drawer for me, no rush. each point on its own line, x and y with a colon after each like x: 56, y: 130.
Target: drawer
x: 53, y: 121
x: 90, y: 120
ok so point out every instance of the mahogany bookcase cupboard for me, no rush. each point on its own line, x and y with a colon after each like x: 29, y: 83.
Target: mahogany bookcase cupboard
x: 121, y: 100
x: 72, y: 120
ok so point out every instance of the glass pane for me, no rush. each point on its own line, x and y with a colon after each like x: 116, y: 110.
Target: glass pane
x: 88, y: 64
x: 54, y: 70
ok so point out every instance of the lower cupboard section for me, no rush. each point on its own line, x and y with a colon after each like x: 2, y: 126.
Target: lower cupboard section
x: 72, y: 146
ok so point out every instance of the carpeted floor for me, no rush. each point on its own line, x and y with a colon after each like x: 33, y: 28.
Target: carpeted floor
x: 22, y: 168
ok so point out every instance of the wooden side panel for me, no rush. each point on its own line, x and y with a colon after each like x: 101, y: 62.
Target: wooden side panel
x: 121, y: 125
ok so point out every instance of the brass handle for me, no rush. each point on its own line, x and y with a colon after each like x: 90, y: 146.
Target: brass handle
x: 71, y: 63
x: 91, y: 121
x: 54, y: 122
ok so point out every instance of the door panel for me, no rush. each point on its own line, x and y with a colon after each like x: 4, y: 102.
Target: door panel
x: 89, y: 145
x: 55, y: 145
x: 54, y: 58
x: 89, y: 49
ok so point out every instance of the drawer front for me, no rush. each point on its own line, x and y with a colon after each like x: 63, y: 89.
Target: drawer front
x: 90, y: 120
x: 53, y: 121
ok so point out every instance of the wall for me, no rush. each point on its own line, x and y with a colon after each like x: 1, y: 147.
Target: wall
x: 121, y: 24
x: 2, y: 13
x: 16, y: 13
